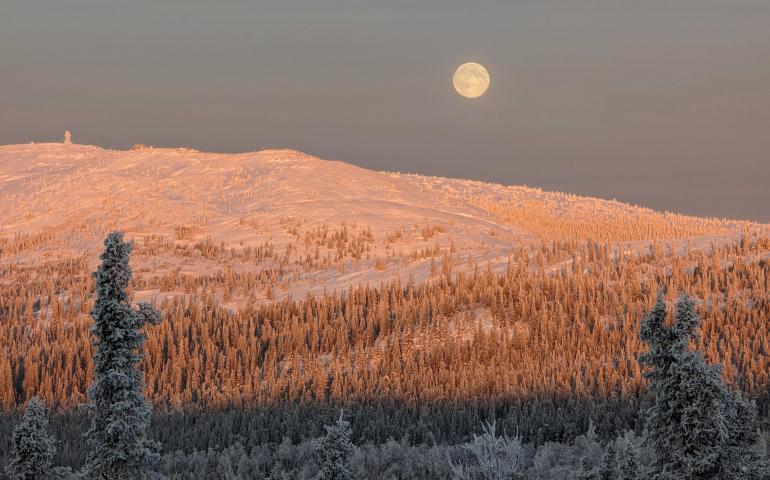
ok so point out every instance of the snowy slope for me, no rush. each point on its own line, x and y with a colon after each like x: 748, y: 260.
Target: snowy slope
x: 60, y: 200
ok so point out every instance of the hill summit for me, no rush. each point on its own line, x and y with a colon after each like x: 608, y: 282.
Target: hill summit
x: 316, y: 224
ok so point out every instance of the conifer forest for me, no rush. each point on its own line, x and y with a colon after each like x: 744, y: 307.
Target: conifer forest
x: 613, y: 366
x: 384, y: 240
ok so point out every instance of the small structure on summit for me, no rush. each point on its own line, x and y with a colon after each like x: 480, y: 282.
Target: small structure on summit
x: 67, y: 137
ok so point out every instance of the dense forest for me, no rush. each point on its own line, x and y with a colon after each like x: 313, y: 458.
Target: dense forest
x: 548, y: 353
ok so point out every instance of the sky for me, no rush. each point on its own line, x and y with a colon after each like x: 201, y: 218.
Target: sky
x: 659, y: 103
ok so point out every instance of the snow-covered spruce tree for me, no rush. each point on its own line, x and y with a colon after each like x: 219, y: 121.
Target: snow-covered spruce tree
x: 608, y: 465
x: 32, y: 448
x: 120, y: 449
x: 495, y: 456
x: 585, y: 470
x: 628, y: 461
x: 335, y: 450
x: 698, y: 427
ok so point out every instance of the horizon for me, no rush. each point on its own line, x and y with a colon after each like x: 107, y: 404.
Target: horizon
x: 663, y: 104
x: 403, y: 172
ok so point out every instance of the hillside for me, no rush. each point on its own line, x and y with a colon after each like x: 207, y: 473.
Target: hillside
x: 228, y: 246
x: 297, y: 222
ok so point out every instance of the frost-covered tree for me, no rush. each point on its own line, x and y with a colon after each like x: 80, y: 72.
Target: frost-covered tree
x: 119, y: 447
x: 698, y: 427
x: 335, y: 451
x: 628, y: 461
x: 494, y: 457
x: 585, y: 470
x: 32, y: 448
x: 608, y: 465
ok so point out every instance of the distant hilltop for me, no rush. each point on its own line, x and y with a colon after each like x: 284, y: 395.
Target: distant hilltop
x: 327, y: 224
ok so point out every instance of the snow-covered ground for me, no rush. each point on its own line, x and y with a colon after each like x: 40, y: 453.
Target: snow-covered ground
x: 58, y: 201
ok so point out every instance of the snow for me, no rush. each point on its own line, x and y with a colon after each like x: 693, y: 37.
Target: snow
x: 68, y: 197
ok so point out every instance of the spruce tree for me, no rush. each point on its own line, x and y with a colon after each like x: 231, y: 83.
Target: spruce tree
x: 32, y: 448
x: 120, y: 449
x: 607, y: 466
x: 628, y: 461
x: 494, y: 456
x: 336, y: 450
x: 698, y: 427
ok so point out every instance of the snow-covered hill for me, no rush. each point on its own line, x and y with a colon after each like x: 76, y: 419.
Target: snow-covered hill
x: 317, y: 224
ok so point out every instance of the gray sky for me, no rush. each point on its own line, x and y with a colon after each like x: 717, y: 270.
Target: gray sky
x: 662, y: 103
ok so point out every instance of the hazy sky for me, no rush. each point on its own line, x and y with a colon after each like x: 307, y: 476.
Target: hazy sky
x: 663, y: 103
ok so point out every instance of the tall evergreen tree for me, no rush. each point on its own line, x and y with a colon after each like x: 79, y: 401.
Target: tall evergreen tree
x: 336, y: 450
x: 32, y: 448
x: 119, y: 445
x: 698, y: 427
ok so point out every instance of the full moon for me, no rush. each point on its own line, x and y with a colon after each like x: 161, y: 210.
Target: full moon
x: 471, y: 80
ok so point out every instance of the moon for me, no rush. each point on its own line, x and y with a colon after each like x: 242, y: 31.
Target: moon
x: 471, y: 80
